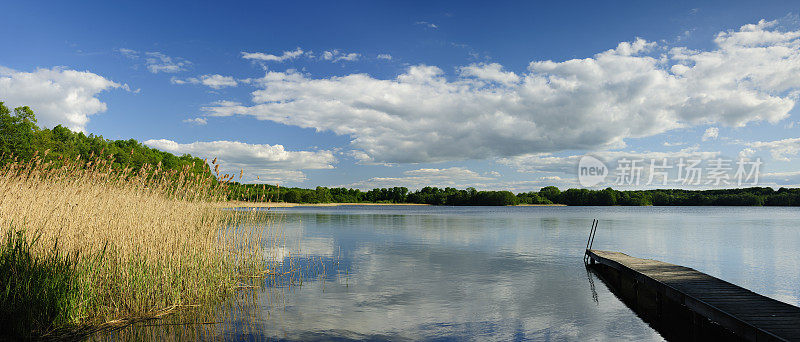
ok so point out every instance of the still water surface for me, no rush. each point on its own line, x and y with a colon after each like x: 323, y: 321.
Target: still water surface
x: 503, y: 273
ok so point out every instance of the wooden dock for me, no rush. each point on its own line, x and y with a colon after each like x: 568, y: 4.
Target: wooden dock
x: 685, y: 304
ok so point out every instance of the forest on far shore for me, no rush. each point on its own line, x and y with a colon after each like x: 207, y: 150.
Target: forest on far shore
x: 755, y: 196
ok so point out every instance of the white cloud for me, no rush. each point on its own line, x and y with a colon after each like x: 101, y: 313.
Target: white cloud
x: 215, y: 81
x: 270, y: 163
x: 457, y: 177
x: 650, y: 165
x: 226, y: 103
x: 710, y: 133
x: 460, y: 178
x: 489, y: 72
x: 746, y: 153
x: 427, y: 24
x: 546, y: 162
x: 197, y: 121
x: 637, y: 89
x: 57, y: 95
x: 337, y: 56
x: 129, y: 53
x: 259, y: 56
x: 158, y: 62
x: 779, y: 149
x: 385, y: 56
x: 786, y: 179
x: 191, y: 80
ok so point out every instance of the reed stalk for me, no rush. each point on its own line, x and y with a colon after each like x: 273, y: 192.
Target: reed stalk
x: 82, y: 244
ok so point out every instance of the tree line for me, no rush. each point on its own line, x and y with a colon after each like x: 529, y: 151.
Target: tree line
x: 755, y: 196
x: 22, y: 139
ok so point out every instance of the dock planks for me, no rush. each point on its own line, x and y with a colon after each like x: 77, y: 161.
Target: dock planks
x: 746, y: 314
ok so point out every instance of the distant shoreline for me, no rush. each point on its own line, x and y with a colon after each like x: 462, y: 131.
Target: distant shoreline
x: 241, y: 204
x: 539, y: 205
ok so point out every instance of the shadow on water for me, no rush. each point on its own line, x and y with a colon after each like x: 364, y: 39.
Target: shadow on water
x: 591, y: 285
x: 672, y: 321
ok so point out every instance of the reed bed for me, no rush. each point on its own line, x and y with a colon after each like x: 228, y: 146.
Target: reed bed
x: 83, y: 244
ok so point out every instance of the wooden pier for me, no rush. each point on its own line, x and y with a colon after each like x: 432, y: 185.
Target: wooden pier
x: 685, y: 304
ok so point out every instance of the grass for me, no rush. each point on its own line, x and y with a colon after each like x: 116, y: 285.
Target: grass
x: 38, y: 290
x: 83, y: 244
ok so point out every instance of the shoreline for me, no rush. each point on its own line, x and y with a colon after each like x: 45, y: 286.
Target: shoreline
x: 241, y: 204
x: 539, y: 205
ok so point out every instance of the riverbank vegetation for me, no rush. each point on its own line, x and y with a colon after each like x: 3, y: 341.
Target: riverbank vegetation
x: 82, y: 244
x: 755, y: 196
x: 90, y: 239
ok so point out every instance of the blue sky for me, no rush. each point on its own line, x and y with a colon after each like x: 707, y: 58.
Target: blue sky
x: 365, y: 94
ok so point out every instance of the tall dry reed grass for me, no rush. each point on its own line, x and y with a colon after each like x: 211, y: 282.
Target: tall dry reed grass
x: 134, y: 242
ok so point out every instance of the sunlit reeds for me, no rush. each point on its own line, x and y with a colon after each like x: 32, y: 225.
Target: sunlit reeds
x: 128, y: 243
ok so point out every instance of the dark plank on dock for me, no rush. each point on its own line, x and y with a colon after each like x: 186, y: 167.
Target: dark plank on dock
x: 731, y: 306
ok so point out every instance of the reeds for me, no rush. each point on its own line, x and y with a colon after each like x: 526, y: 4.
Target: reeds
x: 84, y: 244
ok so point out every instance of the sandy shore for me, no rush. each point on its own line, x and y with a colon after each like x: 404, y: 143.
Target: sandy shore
x: 240, y: 204
x: 540, y: 205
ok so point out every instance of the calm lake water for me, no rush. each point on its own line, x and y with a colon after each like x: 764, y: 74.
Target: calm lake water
x: 503, y: 273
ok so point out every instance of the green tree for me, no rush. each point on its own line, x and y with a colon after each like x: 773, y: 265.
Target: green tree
x: 551, y: 193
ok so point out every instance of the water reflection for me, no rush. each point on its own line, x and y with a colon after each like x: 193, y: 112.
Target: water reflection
x: 515, y: 273
x: 431, y: 275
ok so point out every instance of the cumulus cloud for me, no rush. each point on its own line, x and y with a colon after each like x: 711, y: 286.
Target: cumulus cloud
x: 489, y: 72
x: 338, y: 56
x: 779, y: 149
x: 215, y: 81
x: 746, y: 153
x: 458, y: 177
x: 710, y: 133
x: 675, y: 164
x: 57, y: 95
x: 547, y: 162
x: 637, y: 89
x: 385, y: 56
x: 259, y: 56
x: 786, y: 179
x: 158, y: 62
x: 654, y: 169
x: 270, y: 163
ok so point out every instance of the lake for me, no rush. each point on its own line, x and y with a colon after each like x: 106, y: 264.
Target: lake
x: 502, y: 273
